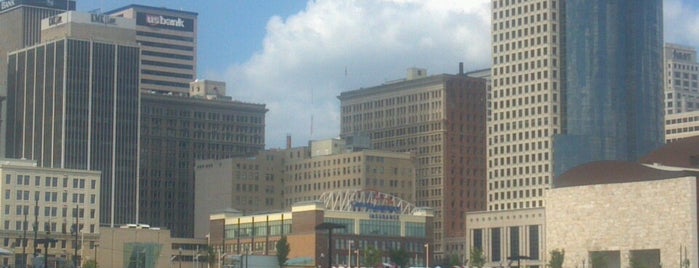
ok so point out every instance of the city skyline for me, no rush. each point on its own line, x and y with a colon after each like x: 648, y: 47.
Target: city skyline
x: 316, y: 50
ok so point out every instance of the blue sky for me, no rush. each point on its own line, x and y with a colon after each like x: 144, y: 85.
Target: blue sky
x: 229, y: 30
x: 296, y: 56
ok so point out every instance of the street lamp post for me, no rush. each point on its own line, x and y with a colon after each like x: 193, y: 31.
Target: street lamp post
x: 96, y: 246
x: 357, y: 251
x: 427, y: 255
x: 330, y: 226
x: 179, y: 257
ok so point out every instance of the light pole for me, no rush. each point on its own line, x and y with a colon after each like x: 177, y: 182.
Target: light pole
x: 179, y: 257
x: 195, y: 255
x: 357, y: 251
x: 349, y: 253
x: 96, y: 245
x: 427, y: 255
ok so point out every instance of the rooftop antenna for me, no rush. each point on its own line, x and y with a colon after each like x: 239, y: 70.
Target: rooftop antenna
x: 312, y: 113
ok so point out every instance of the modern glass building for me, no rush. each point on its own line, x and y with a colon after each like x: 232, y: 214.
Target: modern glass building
x: 614, y: 82
x: 360, y: 220
x: 73, y: 103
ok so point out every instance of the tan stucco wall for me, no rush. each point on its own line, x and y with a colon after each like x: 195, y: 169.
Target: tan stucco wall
x: 659, y: 214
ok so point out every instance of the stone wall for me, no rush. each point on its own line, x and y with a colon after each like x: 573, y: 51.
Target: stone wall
x: 660, y: 214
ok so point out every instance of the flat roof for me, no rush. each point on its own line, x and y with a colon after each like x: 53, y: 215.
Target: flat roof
x: 136, y: 6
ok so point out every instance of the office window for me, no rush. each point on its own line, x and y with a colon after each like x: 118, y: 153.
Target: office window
x: 495, y: 242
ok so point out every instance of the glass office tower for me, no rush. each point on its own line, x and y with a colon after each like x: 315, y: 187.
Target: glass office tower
x: 614, y: 101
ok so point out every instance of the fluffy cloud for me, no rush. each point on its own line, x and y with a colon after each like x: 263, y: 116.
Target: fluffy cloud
x: 336, y: 45
x: 681, y: 22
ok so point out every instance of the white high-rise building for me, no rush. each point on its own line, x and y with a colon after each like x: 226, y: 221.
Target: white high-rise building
x: 526, y: 102
x: 681, y: 81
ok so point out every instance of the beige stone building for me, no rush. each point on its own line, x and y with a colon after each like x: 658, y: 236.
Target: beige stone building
x: 612, y: 213
x: 246, y: 184
x: 308, y: 176
x: 54, y: 199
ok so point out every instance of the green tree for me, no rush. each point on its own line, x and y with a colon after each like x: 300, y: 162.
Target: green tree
x: 210, y: 256
x: 557, y: 258
x: 454, y: 260
x: 400, y: 257
x: 477, y: 258
x: 373, y: 257
x: 283, y: 250
x: 91, y: 264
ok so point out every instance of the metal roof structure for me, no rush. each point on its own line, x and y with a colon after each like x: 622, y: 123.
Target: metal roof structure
x: 356, y: 200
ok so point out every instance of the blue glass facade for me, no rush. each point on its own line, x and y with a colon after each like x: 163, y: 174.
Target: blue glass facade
x: 613, y: 59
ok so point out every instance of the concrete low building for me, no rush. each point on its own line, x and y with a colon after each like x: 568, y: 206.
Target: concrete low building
x: 139, y: 245
x: 508, y: 236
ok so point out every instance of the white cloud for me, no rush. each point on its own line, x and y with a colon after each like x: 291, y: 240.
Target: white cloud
x: 338, y: 45
x: 681, y: 22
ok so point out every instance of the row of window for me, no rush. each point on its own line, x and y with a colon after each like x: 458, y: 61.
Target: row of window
x: 166, y: 36
x: 525, y: 31
x: 49, y: 181
x: 169, y: 74
x: 168, y: 46
x: 532, y: 6
x: 393, y: 101
x: 689, y: 67
x: 515, y: 205
x: 179, y: 114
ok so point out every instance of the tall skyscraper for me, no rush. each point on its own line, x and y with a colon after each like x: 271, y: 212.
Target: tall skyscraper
x: 21, y: 27
x: 681, y: 79
x: 176, y: 131
x: 73, y: 101
x: 441, y: 119
x: 614, y: 80
x: 168, y: 39
x: 526, y: 100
